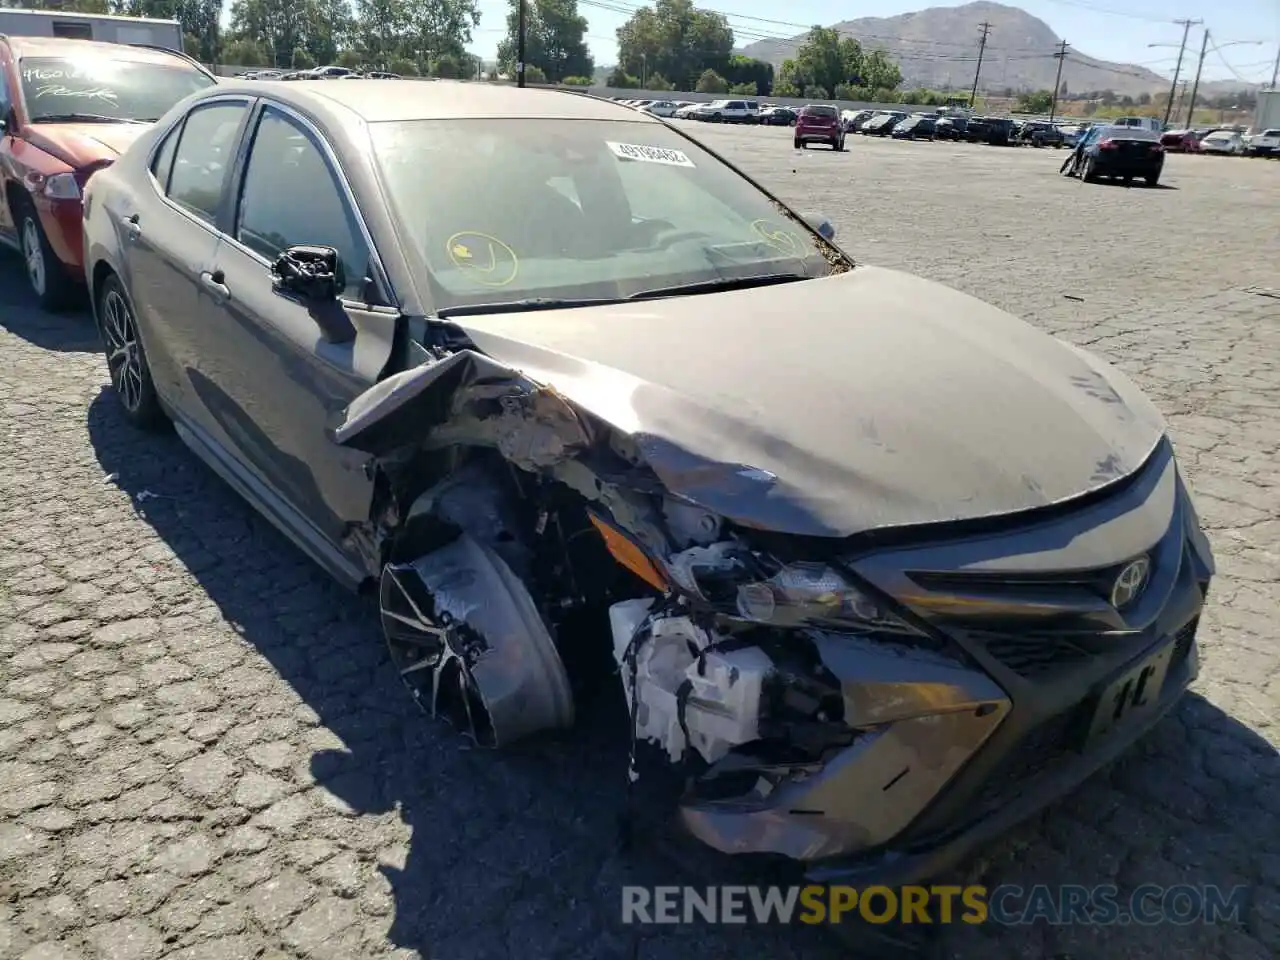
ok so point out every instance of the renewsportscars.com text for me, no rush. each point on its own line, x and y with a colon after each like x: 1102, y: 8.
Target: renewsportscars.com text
x: 1007, y: 905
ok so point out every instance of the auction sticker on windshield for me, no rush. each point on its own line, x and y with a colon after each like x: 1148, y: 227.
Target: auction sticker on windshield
x: 637, y: 151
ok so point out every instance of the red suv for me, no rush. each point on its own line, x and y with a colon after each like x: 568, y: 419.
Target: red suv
x: 67, y: 109
x: 821, y: 123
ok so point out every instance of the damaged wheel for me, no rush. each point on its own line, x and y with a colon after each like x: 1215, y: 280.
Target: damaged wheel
x: 468, y: 641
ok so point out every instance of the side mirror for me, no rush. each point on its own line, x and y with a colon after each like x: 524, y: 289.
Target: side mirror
x: 311, y: 273
x: 824, y: 227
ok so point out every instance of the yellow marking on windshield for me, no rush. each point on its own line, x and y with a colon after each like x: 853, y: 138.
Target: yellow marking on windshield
x: 483, y: 257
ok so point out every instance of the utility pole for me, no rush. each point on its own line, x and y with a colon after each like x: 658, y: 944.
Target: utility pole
x: 982, y: 46
x: 1060, y: 56
x: 520, y: 31
x: 1195, y: 87
x: 1173, y: 87
x: 1275, y: 71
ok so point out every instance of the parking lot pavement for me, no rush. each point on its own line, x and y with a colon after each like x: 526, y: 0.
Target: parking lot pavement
x: 203, y: 753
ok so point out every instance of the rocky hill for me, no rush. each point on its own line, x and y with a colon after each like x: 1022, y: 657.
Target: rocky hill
x: 938, y: 47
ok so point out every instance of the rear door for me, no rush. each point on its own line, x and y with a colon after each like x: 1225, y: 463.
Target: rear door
x: 275, y: 375
x: 170, y: 236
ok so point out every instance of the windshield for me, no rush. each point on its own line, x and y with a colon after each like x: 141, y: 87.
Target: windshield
x: 511, y: 209
x: 104, y: 88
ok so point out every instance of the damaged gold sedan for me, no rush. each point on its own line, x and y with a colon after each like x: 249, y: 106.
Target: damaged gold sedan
x: 880, y: 569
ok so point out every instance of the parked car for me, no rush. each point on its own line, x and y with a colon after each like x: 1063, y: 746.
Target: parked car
x: 1150, y: 124
x: 778, y: 117
x: 819, y: 123
x: 852, y: 120
x: 951, y: 128
x: 1180, y: 141
x: 67, y: 109
x: 1118, y: 153
x: 1225, y: 142
x: 917, y: 127
x: 725, y: 111
x: 660, y: 108
x: 1041, y: 134
x: 1073, y: 132
x: 350, y: 344
x: 997, y: 131
x: 1265, y: 144
x: 882, y: 124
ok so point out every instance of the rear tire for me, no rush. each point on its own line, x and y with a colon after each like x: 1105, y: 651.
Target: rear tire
x: 1152, y: 179
x: 1088, y: 173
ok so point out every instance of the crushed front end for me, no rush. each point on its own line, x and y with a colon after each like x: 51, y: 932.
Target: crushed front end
x: 879, y: 713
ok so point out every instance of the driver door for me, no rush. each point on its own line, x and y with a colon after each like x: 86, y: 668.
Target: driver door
x: 273, y: 379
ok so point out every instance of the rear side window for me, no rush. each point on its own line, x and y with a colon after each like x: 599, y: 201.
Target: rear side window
x: 203, y: 157
x: 162, y: 163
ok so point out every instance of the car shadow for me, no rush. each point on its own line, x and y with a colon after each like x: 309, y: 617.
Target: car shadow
x: 511, y: 852
x: 517, y: 852
x: 70, y: 332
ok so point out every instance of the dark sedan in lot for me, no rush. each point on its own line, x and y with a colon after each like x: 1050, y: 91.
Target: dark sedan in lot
x: 882, y: 124
x: 918, y: 127
x: 1117, y: 153
x: 583, y: 394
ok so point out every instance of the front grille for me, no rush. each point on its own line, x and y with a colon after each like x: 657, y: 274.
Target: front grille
x: 1042, y: 749
x: 1031, y: 655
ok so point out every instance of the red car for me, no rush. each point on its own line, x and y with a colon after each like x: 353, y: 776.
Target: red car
x: 68, y: 108
x: 820, y: 123
x: 1180, y: 141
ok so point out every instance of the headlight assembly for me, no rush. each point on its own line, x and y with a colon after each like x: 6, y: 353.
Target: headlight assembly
x: 739, y: 584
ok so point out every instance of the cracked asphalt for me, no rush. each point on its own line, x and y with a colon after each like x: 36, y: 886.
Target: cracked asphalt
x: 204, y: 753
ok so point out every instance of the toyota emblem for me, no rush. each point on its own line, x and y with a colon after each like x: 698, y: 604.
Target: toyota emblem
x: 1130, y: 582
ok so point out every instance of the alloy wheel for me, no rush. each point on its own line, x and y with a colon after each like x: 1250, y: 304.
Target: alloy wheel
x: 433, y: 655
x: 33, y: 256
x: 124, y: 359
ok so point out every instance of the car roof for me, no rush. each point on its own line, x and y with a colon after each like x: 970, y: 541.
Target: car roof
x: 67, y: 47
x: 377, y: 101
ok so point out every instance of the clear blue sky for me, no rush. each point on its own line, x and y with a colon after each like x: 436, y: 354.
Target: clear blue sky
x: 1116, y: 30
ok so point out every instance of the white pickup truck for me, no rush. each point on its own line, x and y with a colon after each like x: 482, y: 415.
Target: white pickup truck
x: 727, y: 111
x: 1265, y: 144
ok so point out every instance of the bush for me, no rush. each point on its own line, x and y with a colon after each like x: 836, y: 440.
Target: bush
x: 786, y: 89
x: 815, y: 92
x: 447, y: 67
x: 745, y: 89
x: 711, y: 82
x: 406, y: 68
x: 244, y: 53
x: 302, y: 60
x: 658, y: 82
x: 349, y: 59
x: 576, y: 81
x: 534, y: 74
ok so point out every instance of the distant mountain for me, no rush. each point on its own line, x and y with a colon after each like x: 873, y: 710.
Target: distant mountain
x: 938, y: 47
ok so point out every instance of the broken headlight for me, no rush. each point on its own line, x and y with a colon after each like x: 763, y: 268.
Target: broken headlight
x: 740, y: 584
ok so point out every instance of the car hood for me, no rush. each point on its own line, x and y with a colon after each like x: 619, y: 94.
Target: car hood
x: 82, y: 144
x: 829, y: 407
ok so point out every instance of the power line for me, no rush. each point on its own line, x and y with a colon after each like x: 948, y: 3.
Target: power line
x: 1195, y: 87
x: 977, y: 71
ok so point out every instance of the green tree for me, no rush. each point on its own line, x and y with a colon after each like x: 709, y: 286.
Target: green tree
x: 742, y: 70
x: 879, y: 72
x: 437, y: 28
x: 349, y: 58
x: 554, y: 39
x: 199, y: 18
x: 675, y: 39
x: 1036, y: 102
x: 577, y: 81
x: 244, y: 53
x: 534, y: 74
x: 711, y: 82
x: 67, y: 6
x: 619, y: 79
x: 404, y: 67
x: 826, y: 60
x: 302, y: 60
x: 815, y: 92
x: 658, y: 82
x: 744, y: 89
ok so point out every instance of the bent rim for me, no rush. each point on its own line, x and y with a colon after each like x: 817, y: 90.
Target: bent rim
x: 123, y: 357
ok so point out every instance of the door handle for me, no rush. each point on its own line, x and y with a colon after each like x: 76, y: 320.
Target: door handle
x: 213, y: 282
x: 131, y: 225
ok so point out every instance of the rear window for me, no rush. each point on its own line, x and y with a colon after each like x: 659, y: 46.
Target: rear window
x: 1271, y: 133
x: 820, y: 111
x: 99, y: 88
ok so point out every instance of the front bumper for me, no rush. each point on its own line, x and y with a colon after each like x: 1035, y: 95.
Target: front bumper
x: 953, y: 750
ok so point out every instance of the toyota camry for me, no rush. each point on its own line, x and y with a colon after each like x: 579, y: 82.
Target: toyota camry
x: 878, y: 568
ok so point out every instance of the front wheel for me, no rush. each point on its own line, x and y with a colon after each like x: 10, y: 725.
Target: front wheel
x: 126, y: 358
x: 1152, y: 179
x: 48, y: 279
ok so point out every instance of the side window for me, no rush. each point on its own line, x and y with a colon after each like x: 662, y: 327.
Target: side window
x: 162, y: 162
x: 204, y: 154
x: 291, y: 196
x: 5, y: 101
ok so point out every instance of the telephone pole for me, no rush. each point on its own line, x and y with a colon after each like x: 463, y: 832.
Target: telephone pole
x: 982, y: 46
x: 1275, y: 71
x: 1060, y: 56
x: 520, y: 31
x: 1173, y: 87
x: 1195, y: 87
